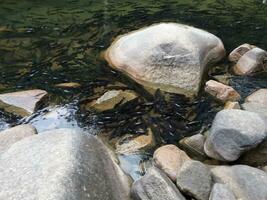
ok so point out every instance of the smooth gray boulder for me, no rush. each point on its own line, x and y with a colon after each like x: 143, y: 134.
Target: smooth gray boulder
x: 12, y: 135
x: 23, y: 103
x: 61, y: 164
x: 247, y: 183
x: 234, y: 132
x: 221, y: 192
x: 169, y: 56
x: 155, y: 185
x: 194, y: 179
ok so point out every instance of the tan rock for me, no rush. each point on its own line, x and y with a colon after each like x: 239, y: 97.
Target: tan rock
x: 68, y: 85
x: 251, y: 62
x: 111, y: 98
x: 221, y: 92
x: 260, y: 96
x: 238, y: 52
x: 170, y: 159
x: 232, y: 105
x: 133, y: 145
x: 22, y: 103
x: 12, y: 135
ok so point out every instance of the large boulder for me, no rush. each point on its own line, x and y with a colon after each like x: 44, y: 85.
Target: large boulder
x: 259, y: 96
x: 22, y: 103
x: 58, y: 165
x: 247, y: 183
x: 12, y: 135
x: 169, y: 56
x: 255, y: 107
x: 194, y: 179
x: 170, y: 159
x: 155, y: 185
x: 234, y: 132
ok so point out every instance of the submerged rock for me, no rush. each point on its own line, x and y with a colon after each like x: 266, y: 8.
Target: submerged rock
x: 128, y: 145
x: 260, y: 96
x: 173, y: 60
x: 232, y: 105
x: 194, y: 146
x: 221, y: 192
x: 234, y: 132
x: 170, y: 159
x: 111, y: 98
x: 247, y: 183
x: 12, y: 135
x: 22, y: 103
x: 194, y: 179
x: 155, y: 185
x: 221, y: 92
x: 61, y: 164
x: 238, y: 52
x: 68, y: 85
x: 251, y: 62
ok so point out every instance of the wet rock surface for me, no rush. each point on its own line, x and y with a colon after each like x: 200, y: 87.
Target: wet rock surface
x: 234, y: 132
x: 61, y: 164
x: 252, y: 61
x: 12, y: 135
x: 155, y: 185
x: 22, y: 103
x: 247, y: 183
x: 170, y: 159
x: 174, y: 60
x: 194, y: 179
x: 221, y: 92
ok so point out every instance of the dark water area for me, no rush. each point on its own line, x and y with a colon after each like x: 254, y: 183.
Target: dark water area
x: 43, y: 43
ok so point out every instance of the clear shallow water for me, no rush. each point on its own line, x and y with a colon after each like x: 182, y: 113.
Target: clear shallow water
x: 43, y: 43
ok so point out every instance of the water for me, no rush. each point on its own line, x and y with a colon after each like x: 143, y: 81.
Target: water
x: 43, y: 43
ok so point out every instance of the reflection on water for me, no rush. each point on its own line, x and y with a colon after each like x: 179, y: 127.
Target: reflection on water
x: 43, y: 43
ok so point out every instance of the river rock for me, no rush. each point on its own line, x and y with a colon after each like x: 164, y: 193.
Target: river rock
x: 252, y: 61
x: 22, y: 103
x: 256, y: 157
x: 194, y: 146
x: 15, y: 134
x: 155, y: 185
x: 247, y: 183
x: 221, y: 192
x: 111, y: 98
x: 232, y: 105
x: 170, y: 159
x: 68, y: 85
x: 260, y: 96
x: 238, y: 52
x: 61, y: 164
x: 173, y: 60
x: 255, y: 107
x: 234, y: 132
x: 129, y: 145
x: 221, y: 92
x: 194, y: 179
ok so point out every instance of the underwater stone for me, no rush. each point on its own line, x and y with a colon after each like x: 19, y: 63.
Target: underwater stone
x: 23, y: 103
x: 169, y: 56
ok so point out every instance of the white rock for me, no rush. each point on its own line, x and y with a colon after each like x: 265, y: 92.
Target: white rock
x: 260, y: 96
x: 238, y: 52
x: 169, y: 56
